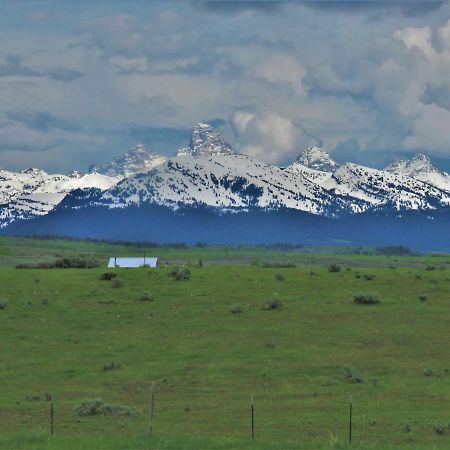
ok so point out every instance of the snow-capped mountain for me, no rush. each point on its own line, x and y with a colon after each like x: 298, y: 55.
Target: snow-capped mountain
x: 207, y: 173
x: 316, y: 158
x: 421, y: 168
x: 206, y: 141
x: 380, y: 189
x: 222, y: 181
x: 137, y: 160
x: 32, y: 192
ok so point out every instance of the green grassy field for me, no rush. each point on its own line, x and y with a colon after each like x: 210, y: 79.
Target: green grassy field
x: 60, y: 327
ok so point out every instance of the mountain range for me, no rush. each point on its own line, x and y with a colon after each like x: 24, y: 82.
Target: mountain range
x: 208, y: 183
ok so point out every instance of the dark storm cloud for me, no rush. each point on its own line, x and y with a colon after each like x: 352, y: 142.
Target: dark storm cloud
x: 238, y: 6
x: 40, y: 120
x: 14, y: 67
x: 404, y: 7
x: 63, y: 74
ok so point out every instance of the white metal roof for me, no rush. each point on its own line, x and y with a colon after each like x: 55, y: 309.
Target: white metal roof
x: 132, y: 262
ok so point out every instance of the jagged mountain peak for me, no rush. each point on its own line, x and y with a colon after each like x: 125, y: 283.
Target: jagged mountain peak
x: 318, y: 159
x: 421, y: 168
x: 419, y: 163
x: 32, y: 171
x: 206, y: 141
x: 75, y: 174
x: 138, y: 159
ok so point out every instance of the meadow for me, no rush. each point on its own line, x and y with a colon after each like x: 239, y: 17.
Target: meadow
x: 279, y: 325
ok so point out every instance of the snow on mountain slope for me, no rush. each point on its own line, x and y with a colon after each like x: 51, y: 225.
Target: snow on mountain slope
x: 35, y: 192
x: 384, y: 189
x: 421, y: 168
x: 206, y: 141
x: 316, y: 176
x: 316, y: 158
x: 224, y: 181
x: 137, y: 160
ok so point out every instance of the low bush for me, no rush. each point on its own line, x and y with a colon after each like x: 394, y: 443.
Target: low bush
x: 108, y: 276
x: 440, y: 428
x: 117, y: 283
x: 334, y: 268
x: 279, y: 277
x: 100, y: 408
x: 428, y: 372
x: 273, y: 304
x: 352, y: 376
x: 70, y: 263
x: 180, y: 273
x: 24, y: 266
x: 147, y: 297
x: 278, y: 265
x: 430, y: 268
x: 236, y: 309
x: 407, y: 428
x: 3, y: 305
x: 365, y: 300
x: 423, y: 298
x: 62, y: 263
x: 113, y: 365
x: 368, y: 276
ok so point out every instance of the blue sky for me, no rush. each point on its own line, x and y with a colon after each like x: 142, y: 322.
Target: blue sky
x: 82, y: 82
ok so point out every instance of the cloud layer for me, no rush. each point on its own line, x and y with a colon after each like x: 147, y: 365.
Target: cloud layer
x: 367, y: 80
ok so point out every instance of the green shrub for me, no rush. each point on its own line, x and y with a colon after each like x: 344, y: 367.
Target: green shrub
x: 365, y: 300
x: 352, y: 376
x: 368, y: 276
x: 147, y: 297
x: 111, y: 366
x: 334, y: 268
x: 428, y: 372
x: 117, y: 283
x: 430, y: 268
x: 69, y: 263
x: 180, y: 273
x: 100, y: 408
x: 407, y: 427
x: 236, y: 309
x: 278, y: 265
x: 24, y: 266
x: 107, y: 276
x: 440, y: 428
x: 273, y: 304
x: 279, y: 277
x: 423, y: 298
x: 3, y: 305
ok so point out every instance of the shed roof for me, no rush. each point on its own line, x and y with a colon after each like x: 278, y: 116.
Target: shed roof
x: 132, y: 262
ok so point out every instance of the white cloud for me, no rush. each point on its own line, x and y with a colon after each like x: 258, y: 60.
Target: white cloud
x: 265, y: 136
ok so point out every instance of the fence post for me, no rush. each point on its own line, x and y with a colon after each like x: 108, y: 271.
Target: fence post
x: 253, y: 417
x: 51, y: 415
x: 350, y: 422
x: 152, y: 408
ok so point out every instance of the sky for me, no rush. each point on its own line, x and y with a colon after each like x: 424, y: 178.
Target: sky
x: 81, y: 82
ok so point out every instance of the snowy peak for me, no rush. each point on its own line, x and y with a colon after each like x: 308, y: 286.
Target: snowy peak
x: 137, y: 160
x: 318, y: 159
x: 206, y: 141
x: 75, y: 174
x: 33, y: 172
x: 421, y: 168
x: 419, y: 164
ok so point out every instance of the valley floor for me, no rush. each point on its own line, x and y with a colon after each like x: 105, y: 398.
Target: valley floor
x: 274, y: 325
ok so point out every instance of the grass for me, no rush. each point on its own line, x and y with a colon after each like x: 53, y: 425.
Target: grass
x: 208, y: 362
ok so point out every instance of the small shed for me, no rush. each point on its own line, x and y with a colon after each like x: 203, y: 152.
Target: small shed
x: 132, y: 262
